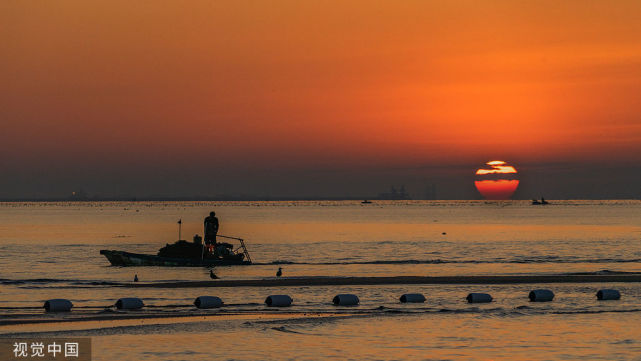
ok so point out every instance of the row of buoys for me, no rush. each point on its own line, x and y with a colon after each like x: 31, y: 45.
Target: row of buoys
x: 63, y: 305
x: 344, y: 299
x: 543, y: 295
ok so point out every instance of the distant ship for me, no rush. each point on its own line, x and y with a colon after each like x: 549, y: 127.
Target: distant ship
x: 541, y: 202
x: 394, y: 194
x: 366, y: 202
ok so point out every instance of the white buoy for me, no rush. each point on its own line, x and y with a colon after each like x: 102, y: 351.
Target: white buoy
x: 208, y: 302
x: 412, y: 298
x: 129, y: 303
x: 541, y: 295
x: 478, y: 298
x: 607, y: 294
x: 346, y: 300
x: 278, y: 301
x: 58, y: 305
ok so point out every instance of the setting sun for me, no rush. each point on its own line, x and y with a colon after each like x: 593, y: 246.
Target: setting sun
x: 497, y: 181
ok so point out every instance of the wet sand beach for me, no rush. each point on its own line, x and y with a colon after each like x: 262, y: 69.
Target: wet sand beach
x: 397, y: 280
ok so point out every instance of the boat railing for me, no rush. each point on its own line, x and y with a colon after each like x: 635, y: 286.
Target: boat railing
x: 242, y: 245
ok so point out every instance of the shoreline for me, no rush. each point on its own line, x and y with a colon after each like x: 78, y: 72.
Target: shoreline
x: 395, y: 280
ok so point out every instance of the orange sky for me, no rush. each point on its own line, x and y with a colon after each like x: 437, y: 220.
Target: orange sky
x: 329, y: 83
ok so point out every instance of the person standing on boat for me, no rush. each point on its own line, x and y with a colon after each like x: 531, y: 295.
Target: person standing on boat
x: 211, y: 228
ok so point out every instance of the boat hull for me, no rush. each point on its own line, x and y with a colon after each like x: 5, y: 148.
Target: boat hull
x: 120, y: 258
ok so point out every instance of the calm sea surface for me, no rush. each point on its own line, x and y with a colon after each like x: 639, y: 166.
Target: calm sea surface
x: 51, y: 250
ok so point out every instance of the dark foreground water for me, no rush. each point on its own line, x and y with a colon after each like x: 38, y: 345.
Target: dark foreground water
x: 51, y: 250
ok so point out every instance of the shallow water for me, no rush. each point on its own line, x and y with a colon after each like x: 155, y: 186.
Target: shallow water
x: 393, y: 337
x: 51, y: 250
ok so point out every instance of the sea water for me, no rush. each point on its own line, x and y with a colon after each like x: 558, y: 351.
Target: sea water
x: 51, y: 250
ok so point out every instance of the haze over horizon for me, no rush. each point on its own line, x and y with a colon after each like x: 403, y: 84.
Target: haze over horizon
x: 319, y: 98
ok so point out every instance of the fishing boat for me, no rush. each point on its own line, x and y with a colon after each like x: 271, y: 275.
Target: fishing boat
x: 185, y: 254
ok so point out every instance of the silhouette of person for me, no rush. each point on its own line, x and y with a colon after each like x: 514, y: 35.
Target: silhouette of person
x: 211, y: 228
x: 198, y: 240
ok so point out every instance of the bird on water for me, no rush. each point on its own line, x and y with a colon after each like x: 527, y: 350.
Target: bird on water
x: 212, y: 275
x: 280, y: 272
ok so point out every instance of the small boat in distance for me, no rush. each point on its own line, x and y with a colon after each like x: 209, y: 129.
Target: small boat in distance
x: 185, y: 254
x: 541, y: 202
x: 366, y: 202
